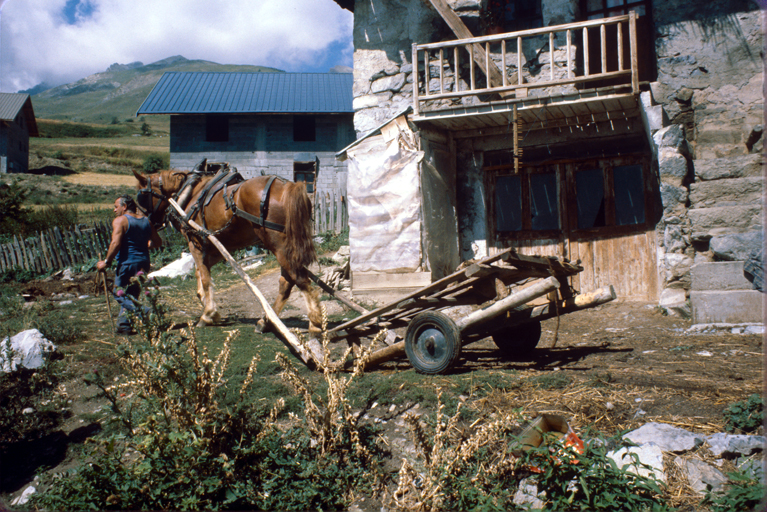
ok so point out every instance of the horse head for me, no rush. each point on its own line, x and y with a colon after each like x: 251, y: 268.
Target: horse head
x: 154, y: 191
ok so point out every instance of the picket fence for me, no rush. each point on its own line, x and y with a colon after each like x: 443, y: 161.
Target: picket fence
x: 55, y: 249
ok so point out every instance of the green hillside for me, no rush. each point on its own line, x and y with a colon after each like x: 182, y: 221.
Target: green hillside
x: 116, y: 94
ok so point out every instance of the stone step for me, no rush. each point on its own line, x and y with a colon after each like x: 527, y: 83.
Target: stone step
x: 719, y: 276
x: 727, y: 306
x: 729, y: 167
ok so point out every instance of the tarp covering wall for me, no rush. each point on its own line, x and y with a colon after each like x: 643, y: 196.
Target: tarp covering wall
x: 384, y: 195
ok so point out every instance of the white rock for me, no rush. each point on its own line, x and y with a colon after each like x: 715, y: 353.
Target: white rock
x: 667, y: 437
x: 24, y: 498
x: 527, y: 495
x: 28, y: 349
x: 178, y: 268
x: 649, y: 453
x: 722, y: 443
x: 699, y: 474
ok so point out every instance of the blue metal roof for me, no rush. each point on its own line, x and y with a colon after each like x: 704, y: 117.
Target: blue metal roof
x: 246, y: 93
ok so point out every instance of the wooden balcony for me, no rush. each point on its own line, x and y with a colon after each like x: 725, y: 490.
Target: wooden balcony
x: 581, y: 72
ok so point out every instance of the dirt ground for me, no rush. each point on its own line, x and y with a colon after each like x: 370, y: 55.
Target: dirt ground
x: 668, y: 371
x: 626, y: 364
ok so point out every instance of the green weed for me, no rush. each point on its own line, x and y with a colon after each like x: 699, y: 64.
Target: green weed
x: 745, y: 415
x: 742, y: 492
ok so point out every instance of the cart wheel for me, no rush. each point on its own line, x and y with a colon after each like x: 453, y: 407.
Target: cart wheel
x: 519, y: 340
x: 432, y: 343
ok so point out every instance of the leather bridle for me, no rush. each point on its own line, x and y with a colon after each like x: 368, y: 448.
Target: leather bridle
x: 145, y: 202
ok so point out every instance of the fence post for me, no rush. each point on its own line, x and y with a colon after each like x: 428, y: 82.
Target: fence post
x: 63, y: 254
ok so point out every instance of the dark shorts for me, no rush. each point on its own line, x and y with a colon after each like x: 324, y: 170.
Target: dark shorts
x: 125, y: 271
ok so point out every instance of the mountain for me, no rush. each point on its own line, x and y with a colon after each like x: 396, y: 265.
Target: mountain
x: 118, y: 92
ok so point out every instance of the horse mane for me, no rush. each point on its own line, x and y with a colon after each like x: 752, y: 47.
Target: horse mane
x: 173, y: 180
x: 300, y: 248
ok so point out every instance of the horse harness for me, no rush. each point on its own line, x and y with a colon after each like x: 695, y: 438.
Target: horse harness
x: 220, y: 183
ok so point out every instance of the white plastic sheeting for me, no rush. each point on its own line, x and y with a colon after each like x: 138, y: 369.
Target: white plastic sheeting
x: 385, y: 204
x: 178, y: 268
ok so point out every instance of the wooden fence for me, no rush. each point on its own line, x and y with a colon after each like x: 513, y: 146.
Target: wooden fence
x: 55, y: 248
x: 330, y: 212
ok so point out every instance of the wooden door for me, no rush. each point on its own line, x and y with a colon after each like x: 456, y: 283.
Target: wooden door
x: 605, y: 220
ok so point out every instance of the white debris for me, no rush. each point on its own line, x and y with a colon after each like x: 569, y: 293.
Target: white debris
x: 24, y: 498
x: 28, y: 349
x: 178, y: 268
x: 704, y: 353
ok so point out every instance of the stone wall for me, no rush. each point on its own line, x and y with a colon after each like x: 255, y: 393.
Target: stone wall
x: 710, y: 79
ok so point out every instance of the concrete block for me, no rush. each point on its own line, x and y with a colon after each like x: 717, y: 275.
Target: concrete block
x: 729, y: 306
x: 719, y: 275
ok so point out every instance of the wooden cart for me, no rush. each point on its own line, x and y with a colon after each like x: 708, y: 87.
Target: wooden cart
x: 502, y: 284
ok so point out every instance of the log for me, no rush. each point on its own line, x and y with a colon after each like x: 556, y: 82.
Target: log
x: 290, y: 339
x: 514, y: 300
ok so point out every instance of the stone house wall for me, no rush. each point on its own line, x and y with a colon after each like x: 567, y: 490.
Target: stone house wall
x: 263, y: 144
x: 705, y: 113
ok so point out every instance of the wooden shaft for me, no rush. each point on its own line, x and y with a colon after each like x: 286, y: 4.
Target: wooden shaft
x: 106, y: 295
x: 327, y: 289
x: 290, y: 339
x: 512, y: 301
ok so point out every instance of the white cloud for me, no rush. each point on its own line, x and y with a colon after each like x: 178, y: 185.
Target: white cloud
x: 37, y: 44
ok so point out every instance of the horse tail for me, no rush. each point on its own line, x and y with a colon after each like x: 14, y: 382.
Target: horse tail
x: 300, y: 250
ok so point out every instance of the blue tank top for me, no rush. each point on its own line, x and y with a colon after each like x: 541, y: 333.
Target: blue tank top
x: 135, y: 243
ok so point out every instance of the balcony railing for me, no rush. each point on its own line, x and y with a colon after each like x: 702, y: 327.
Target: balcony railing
x: 448, y: 70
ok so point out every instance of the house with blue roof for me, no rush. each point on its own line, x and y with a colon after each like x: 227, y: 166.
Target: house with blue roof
x: 285, y: 124
x: 17, y: 125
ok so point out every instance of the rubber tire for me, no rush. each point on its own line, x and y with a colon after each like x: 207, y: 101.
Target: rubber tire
x: 519, y: 340
x: 432, y: 343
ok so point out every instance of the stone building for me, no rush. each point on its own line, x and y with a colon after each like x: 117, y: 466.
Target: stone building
x: 626, y: 134
x: 17, y: 125
x: 285, y: 124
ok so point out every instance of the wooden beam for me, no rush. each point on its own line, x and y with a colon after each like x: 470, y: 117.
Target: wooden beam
x: 494, y: 76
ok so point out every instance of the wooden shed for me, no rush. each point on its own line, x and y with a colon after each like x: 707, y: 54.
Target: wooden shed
x: 17, y: 125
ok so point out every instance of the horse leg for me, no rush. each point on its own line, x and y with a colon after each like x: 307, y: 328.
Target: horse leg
x: 285, y: 285
x: 205, y: 289
x: 312, y: 297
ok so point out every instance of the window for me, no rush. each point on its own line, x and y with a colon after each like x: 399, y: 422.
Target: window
x: 216, y: 128
x: 304, y: 172
x: 304, y: 129
x: 527, y: 201
x: 608, y: 193
x: 554, y: 199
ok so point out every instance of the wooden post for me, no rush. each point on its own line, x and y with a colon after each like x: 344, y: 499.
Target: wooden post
x: 63, y: 254
x: 44, y: 251
x: 290, y: 339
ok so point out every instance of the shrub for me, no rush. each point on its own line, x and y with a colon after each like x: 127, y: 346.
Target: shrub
x: 13, y: 216
x: 745, y: 415
x: 741, y: 493
x: 154, y: 163
x: 591, y: 480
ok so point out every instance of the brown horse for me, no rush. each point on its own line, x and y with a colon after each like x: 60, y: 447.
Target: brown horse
x: 288, y: 207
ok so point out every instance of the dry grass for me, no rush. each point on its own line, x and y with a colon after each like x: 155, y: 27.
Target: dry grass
x: 100, y: 179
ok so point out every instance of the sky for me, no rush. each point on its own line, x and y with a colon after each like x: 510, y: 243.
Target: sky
x: 62, y: 41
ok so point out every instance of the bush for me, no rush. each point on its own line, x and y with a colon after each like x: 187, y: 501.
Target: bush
x: 13, y: 216
x: 592, y: 481
x: 741, y: 493
x: 745, y: 416
x: 154, y: 163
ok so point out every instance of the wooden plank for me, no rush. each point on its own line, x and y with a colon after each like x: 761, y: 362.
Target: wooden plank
x: 634, y: 58
x: 19, y: 254
x: 378, y: 280
x: 45, y: 251
x: 54, y: 249
x: 62, y: 247
x: 479, y: 55
x: 3, y: 261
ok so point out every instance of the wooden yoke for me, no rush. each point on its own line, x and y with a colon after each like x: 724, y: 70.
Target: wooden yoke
x: 493, y: 74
